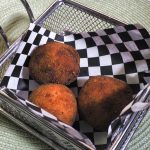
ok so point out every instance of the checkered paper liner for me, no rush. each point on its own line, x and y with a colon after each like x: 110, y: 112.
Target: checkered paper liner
x: 121, y: 52
x: 52, y: 120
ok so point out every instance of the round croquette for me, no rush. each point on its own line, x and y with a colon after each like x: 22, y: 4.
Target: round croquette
x: 56, y: 99
x: 54, y: 62
x: 101, y: 100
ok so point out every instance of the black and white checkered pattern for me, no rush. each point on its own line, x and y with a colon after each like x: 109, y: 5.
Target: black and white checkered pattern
x: 122, y: 52
x: 52, y: 120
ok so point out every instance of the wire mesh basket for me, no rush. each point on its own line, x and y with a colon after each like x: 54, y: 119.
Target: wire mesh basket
x: 72, y: 17
x: 62, y: 17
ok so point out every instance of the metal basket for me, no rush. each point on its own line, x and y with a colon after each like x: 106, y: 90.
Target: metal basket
x: 69, y: 16
x: 63, y: 17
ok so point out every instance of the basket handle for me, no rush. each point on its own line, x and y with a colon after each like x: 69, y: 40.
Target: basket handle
x: 29, y: 10
x: 2, y: 32
x: 30, y: 14
x: 10, y: 48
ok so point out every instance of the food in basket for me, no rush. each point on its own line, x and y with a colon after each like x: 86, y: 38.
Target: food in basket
x: 101, y: 100
x: 54, y: 62
x: 56, y: 99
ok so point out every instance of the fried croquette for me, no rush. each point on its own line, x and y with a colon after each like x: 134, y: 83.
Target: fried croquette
x: 56, y: 99
x: 54, y: 62
x: 101, y: 100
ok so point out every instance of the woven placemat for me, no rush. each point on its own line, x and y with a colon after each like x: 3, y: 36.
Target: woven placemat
x: 14, y: 20
x: 141, y: 138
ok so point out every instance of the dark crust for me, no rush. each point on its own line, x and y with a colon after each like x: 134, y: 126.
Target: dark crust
x: 101, y: 100
x: 54, y: 62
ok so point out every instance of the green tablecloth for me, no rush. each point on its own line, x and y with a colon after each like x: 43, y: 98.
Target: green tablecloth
x: 14, y: 20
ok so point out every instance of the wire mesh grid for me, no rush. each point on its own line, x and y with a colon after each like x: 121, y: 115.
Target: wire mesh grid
x: 69, y: 18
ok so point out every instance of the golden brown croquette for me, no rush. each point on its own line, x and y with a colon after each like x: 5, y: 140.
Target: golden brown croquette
x: 54, y: 62
x: 56, y: 99
x: 101, y: 100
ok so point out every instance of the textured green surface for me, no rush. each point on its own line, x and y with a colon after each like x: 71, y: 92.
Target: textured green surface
x: 14, y: 20
x: 141, y: 138
x: 13, y: 137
